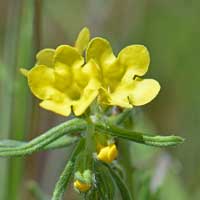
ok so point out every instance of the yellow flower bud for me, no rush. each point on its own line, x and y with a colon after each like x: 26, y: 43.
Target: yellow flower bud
x: 82, y: 187
x: 108, y: 154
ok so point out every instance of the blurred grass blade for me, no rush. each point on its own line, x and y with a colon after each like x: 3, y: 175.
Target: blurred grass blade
x: 36, y: 191
x: 159, y: 141
x: 10, y: 170
x: 121, y: 185
x: 64, y: 179
x: 72, y: 126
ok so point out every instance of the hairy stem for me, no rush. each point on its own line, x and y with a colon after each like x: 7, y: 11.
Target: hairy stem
x: 61, y: 185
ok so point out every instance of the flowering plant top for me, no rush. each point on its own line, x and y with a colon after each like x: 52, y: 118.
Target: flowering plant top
x: 64, y: 80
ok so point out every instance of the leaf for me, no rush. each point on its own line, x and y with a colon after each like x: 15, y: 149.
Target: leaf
x: 104, y: 181
x: 72, y: 126
x: 64, y: 141
x: 121, y: 185
x: 160, y: 141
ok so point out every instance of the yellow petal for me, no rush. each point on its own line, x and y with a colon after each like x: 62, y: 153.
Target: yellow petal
x: 135, y: 58
x: 144, y: 91
x: 61, y: 108
x: 63, y: 76
x: 120, y: 97
x: 45, y: 57
x: 68, y: 56
x: 134, y: 93
x: 83, y: 187
x: 82, y: 40
x: 41, y: 81
x: 88, y: 95
x: 108, y: 153
x: 100, y: 50
x: 113, y: 152
x: 24, y: 71
x: 89, y: 71
x: 88, y: 79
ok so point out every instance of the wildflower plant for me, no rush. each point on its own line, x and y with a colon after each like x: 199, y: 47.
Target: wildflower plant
x: 88, y: 80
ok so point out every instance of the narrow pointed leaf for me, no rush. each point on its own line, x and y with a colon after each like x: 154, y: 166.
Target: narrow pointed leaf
x: 160, y: 141
x: 72, y: 126
x: 120, y: 184
x: 62, y: 142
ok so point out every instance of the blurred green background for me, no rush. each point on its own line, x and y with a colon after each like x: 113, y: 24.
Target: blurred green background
x: 170, y: 30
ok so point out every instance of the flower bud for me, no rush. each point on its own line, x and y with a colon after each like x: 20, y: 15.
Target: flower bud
x: 108, y: 153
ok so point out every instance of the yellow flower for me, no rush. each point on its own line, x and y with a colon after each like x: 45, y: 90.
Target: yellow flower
x: 119, y: 75
x: 82, y: 187
x: 108, y: 153
x: 61, y: 79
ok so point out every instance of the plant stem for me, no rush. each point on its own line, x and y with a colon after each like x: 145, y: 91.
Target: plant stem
x: 61, y: 185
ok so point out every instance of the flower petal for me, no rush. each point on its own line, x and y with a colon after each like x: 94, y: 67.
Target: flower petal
x: 88, y: 95
x: 144, y: 91
x: 82, y: 40
x: 135, y: 93
x: 136, y: 58
x: 85, y: 73
x: 68, y: 55
x: 61, y: 108
x: 41, y: 81
x: 100, y: 50
x: 45, y: 57
x: 120, y: 96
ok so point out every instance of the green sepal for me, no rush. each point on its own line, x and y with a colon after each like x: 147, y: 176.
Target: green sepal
x: 85, y: 177
x: 118, y: 119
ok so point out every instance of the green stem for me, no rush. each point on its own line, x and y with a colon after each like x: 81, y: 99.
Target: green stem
x: 61, y: 185
x: 90, y: 145
x: 72, y: 126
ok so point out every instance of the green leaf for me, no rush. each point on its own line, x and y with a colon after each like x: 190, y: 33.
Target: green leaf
x: 160, y: 141
x: 72, y: 126
x: 62, y: 142
x: 121, y: 185
x: 61, y: 185
x: 104, y: 182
